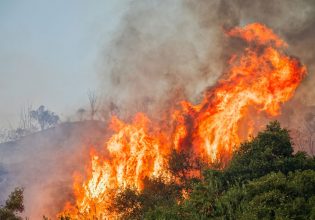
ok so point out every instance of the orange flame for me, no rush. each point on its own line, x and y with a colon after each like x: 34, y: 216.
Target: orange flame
x: 263, y: 77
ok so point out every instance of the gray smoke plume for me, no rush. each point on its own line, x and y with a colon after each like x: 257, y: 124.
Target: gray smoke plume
x: 163, y: 47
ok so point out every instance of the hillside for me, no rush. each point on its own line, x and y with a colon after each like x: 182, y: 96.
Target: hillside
x: 43, y: 163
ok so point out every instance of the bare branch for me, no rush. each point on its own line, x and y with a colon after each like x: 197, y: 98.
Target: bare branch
x: 93, y: 103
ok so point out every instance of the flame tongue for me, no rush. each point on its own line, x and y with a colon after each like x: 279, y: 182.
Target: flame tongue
x: 262, y: 77
x: 134, y: 154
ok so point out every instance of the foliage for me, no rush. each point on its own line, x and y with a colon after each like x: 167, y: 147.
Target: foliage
x: 274, y: 196
x: 130, y: 204
x: 44, y: 118
x: 270, y: 151
x: 13, y: 205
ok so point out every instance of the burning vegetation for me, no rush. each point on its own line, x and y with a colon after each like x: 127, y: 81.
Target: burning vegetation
x: 258, y: 79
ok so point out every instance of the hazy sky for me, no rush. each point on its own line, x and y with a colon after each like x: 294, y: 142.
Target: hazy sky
x: 49, y: 52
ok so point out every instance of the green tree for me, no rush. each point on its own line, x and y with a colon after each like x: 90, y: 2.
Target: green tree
x: 13, y: 206
x: 274, y: 196
x: 132, y: 204
x: 267, y: 152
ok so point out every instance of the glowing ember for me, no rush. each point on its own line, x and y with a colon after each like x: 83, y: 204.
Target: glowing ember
x: 262, y: 77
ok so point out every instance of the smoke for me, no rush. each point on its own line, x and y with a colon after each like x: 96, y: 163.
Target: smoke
x: 178, y: 47
x: 159, y: 51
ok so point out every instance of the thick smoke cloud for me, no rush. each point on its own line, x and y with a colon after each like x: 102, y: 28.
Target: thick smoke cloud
x: 179, y: 47
x: 160, y: 51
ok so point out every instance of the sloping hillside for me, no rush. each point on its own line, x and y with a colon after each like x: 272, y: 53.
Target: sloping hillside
x: 44, y: 162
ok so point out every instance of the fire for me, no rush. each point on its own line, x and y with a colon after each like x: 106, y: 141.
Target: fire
x: 134, y: 153
x: 261, y: 77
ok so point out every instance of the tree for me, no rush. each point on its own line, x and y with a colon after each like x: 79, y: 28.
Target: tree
x: 127, y: 204
x: 264, y: 180
x: 273, y: 196
x: 13, y: 205
x: 179, y: 164
x: 81, y: 112
x: 261, y: 176
x: 26, y: 125
x: 133, y: 204
x: 93, y: 103
x: 44, y: 118
x: 271, y: 150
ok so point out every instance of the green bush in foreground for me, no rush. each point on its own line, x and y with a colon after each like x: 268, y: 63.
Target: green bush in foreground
x: 13, y: 206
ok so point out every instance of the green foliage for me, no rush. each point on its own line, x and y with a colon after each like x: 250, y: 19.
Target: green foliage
x: 270, y: 151
x: 274, y: 196
x: 264, y: 180
x: 13, y: 205
x: 130, y: 204
x: 127, y: 204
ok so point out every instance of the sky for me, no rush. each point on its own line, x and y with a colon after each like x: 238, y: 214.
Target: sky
x: 49, y: 53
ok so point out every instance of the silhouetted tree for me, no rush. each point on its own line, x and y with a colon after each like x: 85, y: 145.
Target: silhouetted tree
x: 93, y: 103
x: 44, y: 118
x: 81, y: 112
